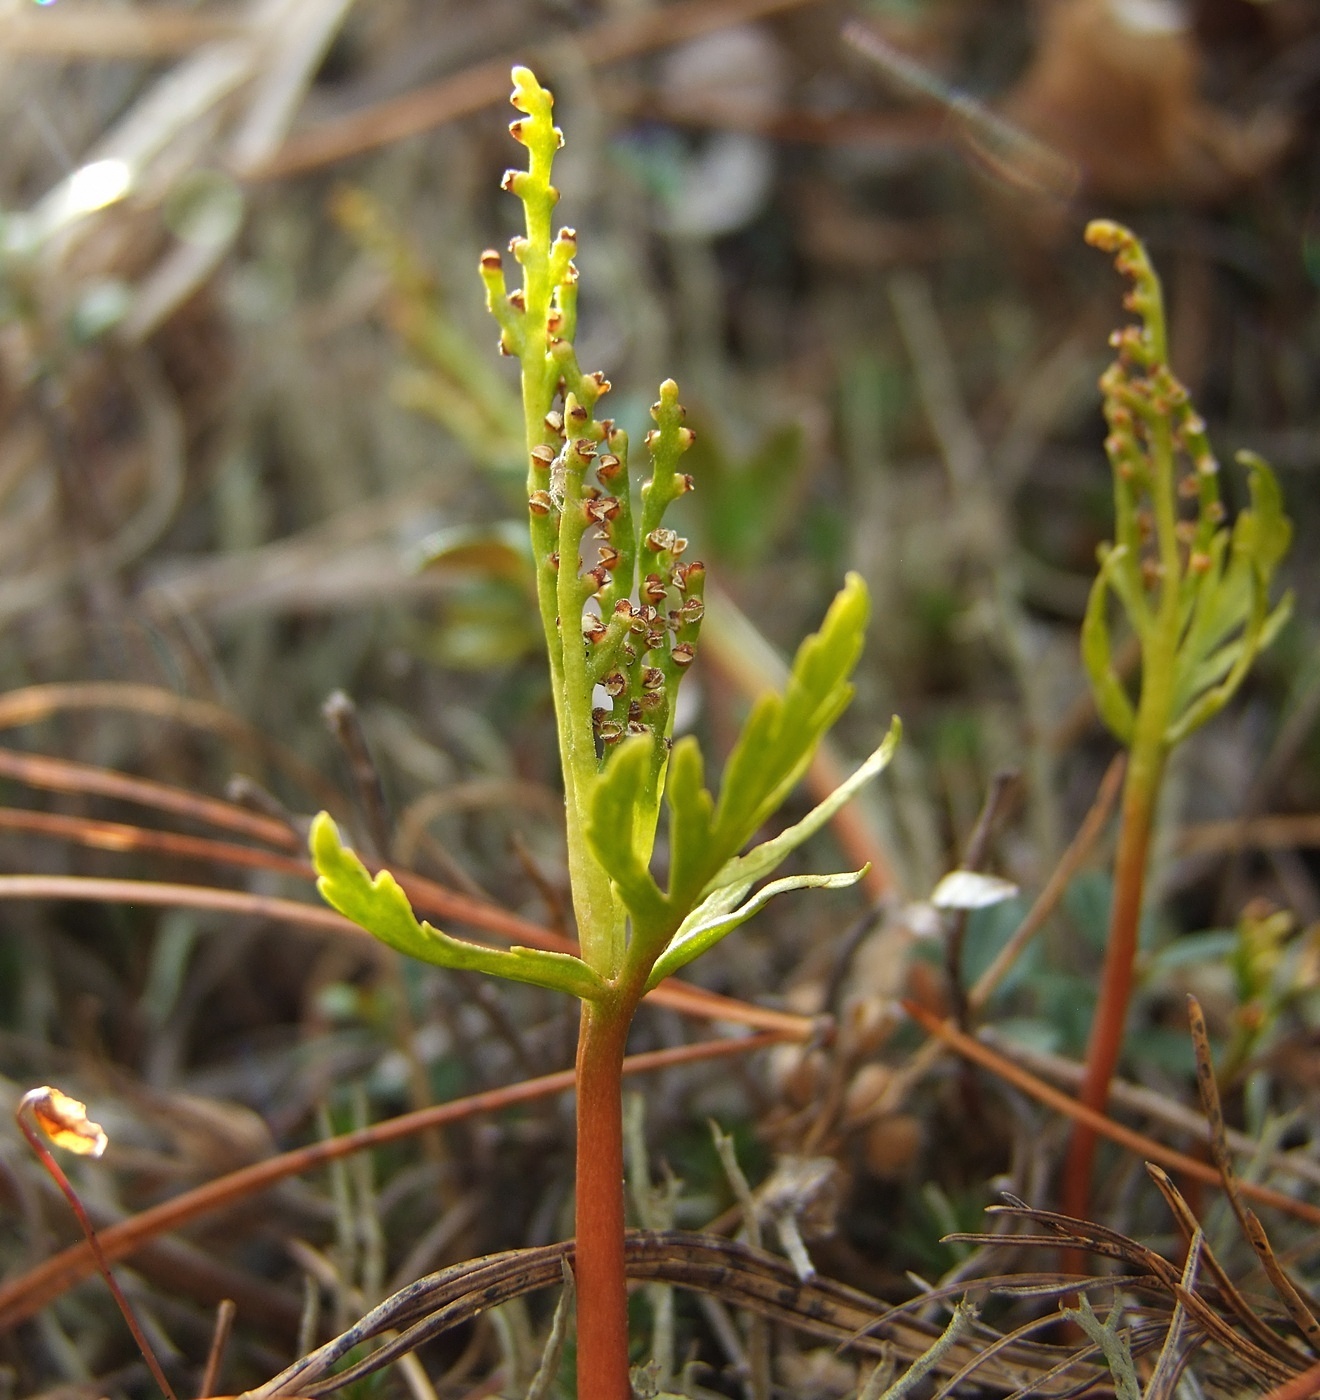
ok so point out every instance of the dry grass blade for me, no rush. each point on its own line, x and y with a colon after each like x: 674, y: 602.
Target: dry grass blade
x: 1266, y: 1336
x: 1155, y: 1273
x: 1137, y: 1098
x: 1276, y: 833
x: 739, y: 1275
x: 63, y: 775
x: 1084, y: 1234
x: 126, y: 838
x: 487, y: 83
x: 681, y: 996
x: 1175, y: 1353
x: 33, y: 703
x: 1301, y: 1309
x: 154, y: 892
x: 101, y: 32
x: 24, y: 1296
x: 427, y: 896
x: 1138, y: 1143
x: 1047, y: 900
x: 1208, y: 1088
x: 224, y: 1325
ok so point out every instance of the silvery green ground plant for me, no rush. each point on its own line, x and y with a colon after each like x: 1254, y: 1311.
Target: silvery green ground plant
x: 624, y: 625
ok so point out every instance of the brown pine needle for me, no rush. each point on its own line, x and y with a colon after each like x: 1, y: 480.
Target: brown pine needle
x: 26, y: 1295
x: 1135, y: 1142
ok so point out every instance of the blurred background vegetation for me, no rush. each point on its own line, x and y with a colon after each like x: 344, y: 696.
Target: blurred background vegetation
x: 256, y: 447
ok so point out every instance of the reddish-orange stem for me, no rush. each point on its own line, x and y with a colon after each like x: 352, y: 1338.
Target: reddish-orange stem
x: 1106, y: 1042
x: 601, y: 1276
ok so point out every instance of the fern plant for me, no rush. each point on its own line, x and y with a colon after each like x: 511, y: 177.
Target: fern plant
x: 1195, y: 593
x: 627, y: 625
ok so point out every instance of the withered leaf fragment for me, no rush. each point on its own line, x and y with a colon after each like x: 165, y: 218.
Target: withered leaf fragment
x: 64, y: 1121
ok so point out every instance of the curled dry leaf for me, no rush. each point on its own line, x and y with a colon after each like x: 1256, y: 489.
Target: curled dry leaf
x: 64, y: 1121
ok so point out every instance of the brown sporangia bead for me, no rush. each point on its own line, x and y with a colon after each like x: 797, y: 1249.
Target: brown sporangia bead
x: 517, y: 300
x: 608, y: 467
x: 653, y: 589
x: 615, y: 684
x: 539, y: 503
x: 554, y: 422
x: 623, y: 606
x: 491, y: 261
x: 599, y: 577
x: 594, y: 630
x: 661, y: 540
x: 577, y: 417
x: 610, y: 558
x: 543, y: 454
x: 684, y: 654
x: 610, y: 732
x: 635, y: 726
x: 652, y: 678
x: 598, y: 379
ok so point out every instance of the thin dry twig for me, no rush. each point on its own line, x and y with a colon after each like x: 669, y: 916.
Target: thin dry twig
x: 33, y: 703
x: 681, y: 996
x: 63, y: 775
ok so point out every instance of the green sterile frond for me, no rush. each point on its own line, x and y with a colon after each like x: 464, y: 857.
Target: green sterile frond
x: 380, y: 906
x: 1231, y: 620
x: 620, y: 835
x: 743, y: 871
x: 691, y: 809
x: 720, y: 913
x: 1111, y: 700
x: 1264, y: 530
x: 782, y: 731
x: 1231, y: 662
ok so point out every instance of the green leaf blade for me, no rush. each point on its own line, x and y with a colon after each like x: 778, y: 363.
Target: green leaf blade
x: 380, y: 906
x: 619, y: 840
x: 782, y: 732
x: 718, y: 916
